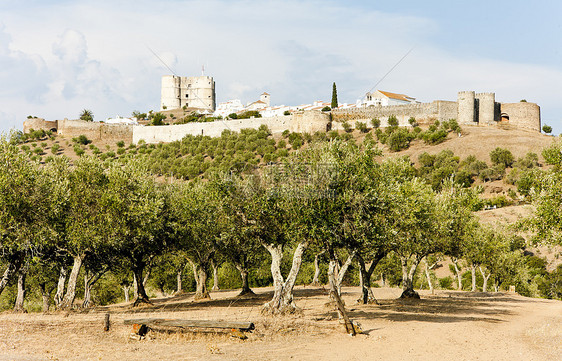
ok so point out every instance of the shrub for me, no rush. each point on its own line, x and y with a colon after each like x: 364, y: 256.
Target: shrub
x: 81, y: 139
x: 413, y: 122
x: 285, y: 133
x: 158, y: 119
x: 121, y: 151
x: 398, y: 140
x: 446, y: 283
x: 55, y: 148
x: 120, y: 144
x: 392, y: 121
x: 326, y: 109
x: 347, y: 127
x: 547, y: 129
x: 362, y: 127
x: 233, y: 116
x: 286, y: 112
x: 376, y: 123
x: 501, y: 156
x: 78, y: 150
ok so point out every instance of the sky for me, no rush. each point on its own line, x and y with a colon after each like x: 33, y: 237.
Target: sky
x: 58, y: 57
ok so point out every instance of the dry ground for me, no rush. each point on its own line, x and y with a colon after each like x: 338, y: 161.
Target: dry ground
x: 445, y: 326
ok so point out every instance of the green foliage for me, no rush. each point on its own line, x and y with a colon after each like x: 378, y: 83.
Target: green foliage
x: 120, y: 144
x: 87, y: 115
x: 233, y: 116
x: 347, y: 127
x: 326, y: 109
x: 286, y: 112
x: 413, y: 122
x: 334, y: 103
x: 78, y: 150
x: 392, y: 121
x: 502, y: 157
x: 362, y: 127
x: 547, y: 129
x: 81, y: 139
x: 376, y: 123
x: 157, y: 119
x: 399, y: 139
x: 249, y: 114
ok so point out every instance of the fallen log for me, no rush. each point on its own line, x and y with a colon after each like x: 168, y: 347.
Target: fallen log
x: 165, y: 322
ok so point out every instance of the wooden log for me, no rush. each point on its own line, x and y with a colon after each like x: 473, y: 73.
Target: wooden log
x: 242, y: 326
x: 106, y: 322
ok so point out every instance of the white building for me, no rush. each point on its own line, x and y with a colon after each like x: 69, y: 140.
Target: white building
x: 384, y: 98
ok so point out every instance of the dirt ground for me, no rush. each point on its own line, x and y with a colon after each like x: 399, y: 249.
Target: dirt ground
x: 445, y: 326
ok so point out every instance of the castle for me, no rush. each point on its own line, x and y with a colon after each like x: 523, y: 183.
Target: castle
x: 196, y: 92
x: 476, y: 109
x: 470, y: 109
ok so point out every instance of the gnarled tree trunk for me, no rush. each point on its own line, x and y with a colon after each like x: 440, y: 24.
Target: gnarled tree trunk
x: 13, y: 268
x: 89, y: 282
x: 282, y: 301
x: 485, y: 279
x: 200, y: 274
x: 45, y: 296
x: 458, y: 273
x: 335, y: 295
x: 141, y: 296
x: 245, y: 284
x: 179, y: 286
x: 126, y: 289
x: 408, y: 278
x: 70, y: 295
x: 316, y: 278
x: 366, y: 272
x: 473, y: 270
x: 215, y: 276
x: 60, y: 287
x: 340, y: 271
x: 20, y: 298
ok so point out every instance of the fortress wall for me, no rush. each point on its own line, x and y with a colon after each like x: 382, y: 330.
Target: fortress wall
x: 38, y: 123
x: 298, y: 122
x: 424, y: 112
x: 523, y: 115
x: 95, y: 130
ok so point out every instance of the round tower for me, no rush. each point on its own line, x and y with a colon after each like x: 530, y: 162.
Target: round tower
x: 466, y: 108
x: 170, y: 95
x: 486, y: 108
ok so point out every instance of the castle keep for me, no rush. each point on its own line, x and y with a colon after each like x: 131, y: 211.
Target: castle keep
x: 196, y: 92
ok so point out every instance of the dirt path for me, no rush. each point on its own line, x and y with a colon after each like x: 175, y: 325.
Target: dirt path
x: 449, y: 325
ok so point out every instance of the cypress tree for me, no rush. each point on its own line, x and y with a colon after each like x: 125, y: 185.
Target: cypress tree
x: 334, y: 96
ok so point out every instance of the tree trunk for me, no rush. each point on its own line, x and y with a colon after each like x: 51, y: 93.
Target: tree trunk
x: 316, y: 278
x: 215, y: 277
x: 408, y: 278
x: 20, y: 298
x: 89, y: 282
x: 428, y: 276
x: 367, y: 295
x: 342, y: 270
x: 141, y: 296
x: 200, y: 274
x: 60, y: 286
x: 126, y: 292
x: 11, y: 270
x: 282, y: 301
x: 459, y: 276
x: 245, y: 284
x: 485, y: 279
x: 45, y: 296
x: 179, y: 287
x: 335, y: 295
x: 473, y: 270
x: 70, y: 295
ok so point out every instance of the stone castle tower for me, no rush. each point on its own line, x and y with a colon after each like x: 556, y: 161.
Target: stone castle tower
x: 192, y: 92
x: 482, y: 109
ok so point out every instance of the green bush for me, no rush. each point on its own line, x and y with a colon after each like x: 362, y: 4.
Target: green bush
x: 55, y: 148
x: 347, y: 127
x: 78, y: 150
x: 547, y: 129
x: 326, y: 109
x: 446, y: 283
x: 376, y: 123
x: 501, y: 156
x: 399, y: 140
x: 362, y: 127
x: 81, y: 139
x: 392, y: 121
x: 120, y: 144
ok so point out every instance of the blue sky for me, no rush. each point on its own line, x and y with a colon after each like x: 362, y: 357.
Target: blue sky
x: 59, y: 57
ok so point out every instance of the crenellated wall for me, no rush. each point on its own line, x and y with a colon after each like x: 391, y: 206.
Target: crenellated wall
x: 423, y: 112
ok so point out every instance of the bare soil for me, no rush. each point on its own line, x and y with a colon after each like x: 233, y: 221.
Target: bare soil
x: 447, y: 325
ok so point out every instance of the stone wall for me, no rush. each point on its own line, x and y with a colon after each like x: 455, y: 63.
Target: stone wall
x: 523, y: 115
x: 310, y: 122
x: 95, y: 130
x: 424, y: 112
x: 39, y: 123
